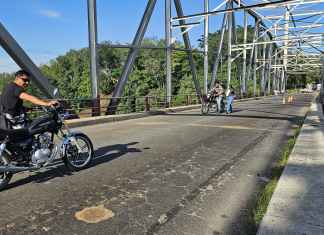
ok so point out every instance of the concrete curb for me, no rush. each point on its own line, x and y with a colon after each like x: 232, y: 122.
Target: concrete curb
x: 122, y: 117
x: 296, y: 206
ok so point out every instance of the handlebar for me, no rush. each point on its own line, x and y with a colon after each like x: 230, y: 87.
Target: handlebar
x: 56, y: 107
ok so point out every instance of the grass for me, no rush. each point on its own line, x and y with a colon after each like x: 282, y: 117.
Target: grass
x: 265, y: 196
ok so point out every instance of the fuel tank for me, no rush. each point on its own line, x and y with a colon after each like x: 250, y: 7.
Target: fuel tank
x: 45, y: 123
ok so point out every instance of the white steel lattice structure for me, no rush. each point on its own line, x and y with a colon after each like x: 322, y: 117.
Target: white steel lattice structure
x: 288, y: 33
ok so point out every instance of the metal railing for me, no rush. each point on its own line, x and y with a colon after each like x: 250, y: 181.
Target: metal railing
x: 84, y: 107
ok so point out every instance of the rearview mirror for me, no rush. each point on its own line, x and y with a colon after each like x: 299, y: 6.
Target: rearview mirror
x: 55, y: 92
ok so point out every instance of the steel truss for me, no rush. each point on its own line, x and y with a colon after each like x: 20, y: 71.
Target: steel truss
x: 277, y: 39
x: 286, y: 40
x: 275, y: 48
x: 16, y: 52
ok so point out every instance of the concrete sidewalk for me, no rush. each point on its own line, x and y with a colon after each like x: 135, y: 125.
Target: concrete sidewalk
x: 297, y: 205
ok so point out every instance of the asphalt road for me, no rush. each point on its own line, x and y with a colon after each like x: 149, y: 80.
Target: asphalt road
x: 180, y: 173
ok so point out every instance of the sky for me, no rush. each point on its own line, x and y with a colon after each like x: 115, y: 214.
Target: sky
x: 46, y: 29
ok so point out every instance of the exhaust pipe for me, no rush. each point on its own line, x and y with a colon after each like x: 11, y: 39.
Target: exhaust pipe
x: 16, y: 169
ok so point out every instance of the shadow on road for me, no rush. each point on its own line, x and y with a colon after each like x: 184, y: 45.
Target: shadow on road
x: 234, y: 115
x: 58, y: 169
x: 267, y: 112
x: 109, y: 153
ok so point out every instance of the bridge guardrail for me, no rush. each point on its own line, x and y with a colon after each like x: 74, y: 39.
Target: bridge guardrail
x: 83, y: 107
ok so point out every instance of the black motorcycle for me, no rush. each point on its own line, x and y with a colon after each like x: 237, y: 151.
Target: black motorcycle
x: 209, y: 101
x: 34, y: 147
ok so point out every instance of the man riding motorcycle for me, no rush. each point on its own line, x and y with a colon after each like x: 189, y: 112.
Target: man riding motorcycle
x: 13, y: 95
x: 34, y: 146
x: 218, y: 92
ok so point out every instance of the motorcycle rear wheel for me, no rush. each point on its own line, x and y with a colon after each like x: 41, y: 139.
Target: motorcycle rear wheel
x: 78, y: 153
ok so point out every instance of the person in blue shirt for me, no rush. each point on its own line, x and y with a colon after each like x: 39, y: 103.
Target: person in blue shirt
x: 230, y: 95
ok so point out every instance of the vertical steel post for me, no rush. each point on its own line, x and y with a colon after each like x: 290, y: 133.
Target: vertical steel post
x: 244, y: 53
x: 274, y: 85
x: 219, y: 51
x: 322, y: 76
x: 255, y: 37
x: 279, y: 79
x: 269, y: 68
x: 92, y: 25
x: 275, y: 77
x: 234, y: 37
x: 279, y: 64
x: 168, y: 52
x: 189, y: 49
x: 283, y: 80
x: 257, y: 25
x: 13, y: 49
x: 285, y: 51
x: 235, y: 54
x: 279, y: 72
x: 206, y: 32
x: 131, y: 57
x: 229, y: 45
x: 263, y: 67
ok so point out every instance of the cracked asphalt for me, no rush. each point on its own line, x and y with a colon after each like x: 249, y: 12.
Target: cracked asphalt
x: 179, y: 173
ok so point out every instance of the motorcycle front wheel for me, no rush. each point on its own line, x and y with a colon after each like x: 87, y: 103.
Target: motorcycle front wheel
x: 78, y: 152
x: 5, y: 176
x: 205, y: 108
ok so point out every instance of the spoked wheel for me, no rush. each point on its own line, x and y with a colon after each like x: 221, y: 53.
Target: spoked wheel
x: 5, y: 176
x: 78, y: 152
x: 205, y: 108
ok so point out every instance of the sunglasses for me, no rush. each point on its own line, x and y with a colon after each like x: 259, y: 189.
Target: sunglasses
x: 25, y: 80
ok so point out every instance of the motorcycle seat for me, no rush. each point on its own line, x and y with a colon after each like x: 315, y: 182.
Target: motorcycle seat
x: 14, y: 134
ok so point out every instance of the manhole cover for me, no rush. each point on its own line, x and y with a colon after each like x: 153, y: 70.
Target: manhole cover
x: 94, y: 214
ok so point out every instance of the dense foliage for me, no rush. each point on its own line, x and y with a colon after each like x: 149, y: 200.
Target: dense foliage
x: 71, y: 72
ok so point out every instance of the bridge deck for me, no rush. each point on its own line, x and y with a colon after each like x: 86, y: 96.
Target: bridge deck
x: 180, y: 173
